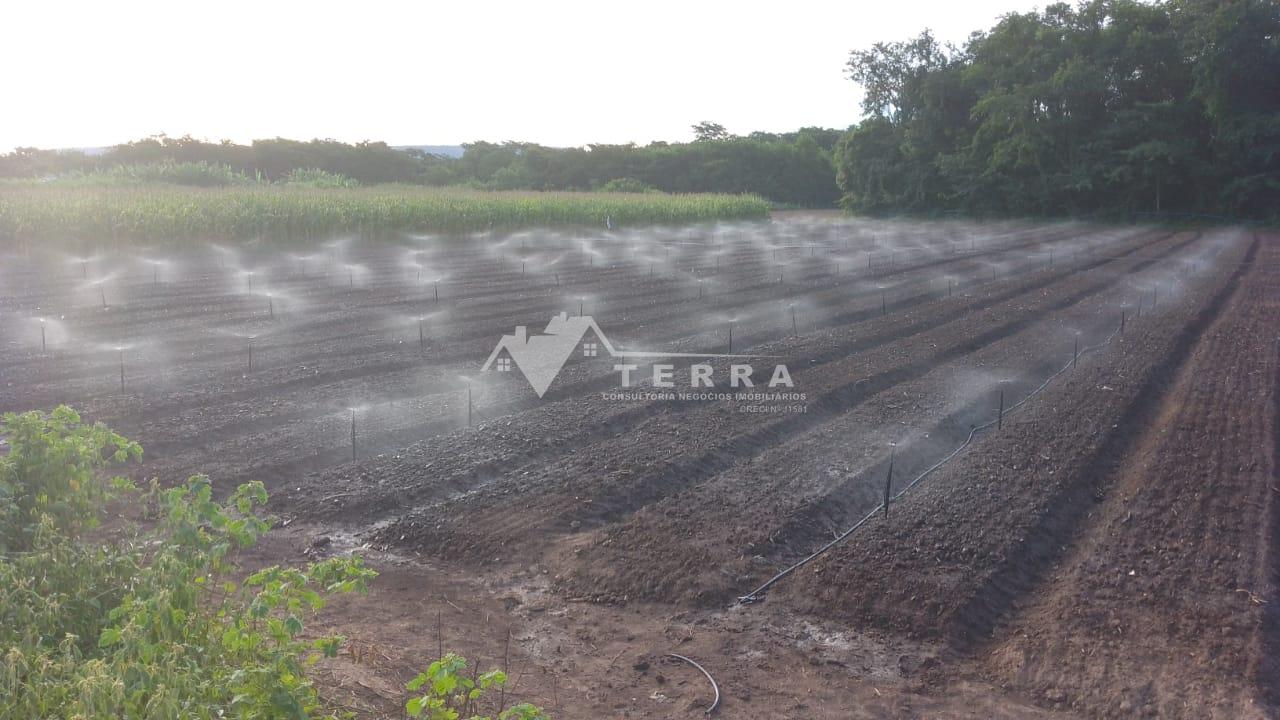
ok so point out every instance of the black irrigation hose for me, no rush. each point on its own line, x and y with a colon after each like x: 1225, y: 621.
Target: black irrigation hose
x: 716, y: 688
x: 754, y: 595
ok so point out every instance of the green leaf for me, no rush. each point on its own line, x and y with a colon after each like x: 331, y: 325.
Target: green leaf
x: 109, y: 636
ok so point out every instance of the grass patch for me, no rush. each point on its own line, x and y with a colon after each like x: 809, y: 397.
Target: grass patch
x: 166, y: 213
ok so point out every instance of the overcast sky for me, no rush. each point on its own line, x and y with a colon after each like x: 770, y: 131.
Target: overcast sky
x: 82, y: 74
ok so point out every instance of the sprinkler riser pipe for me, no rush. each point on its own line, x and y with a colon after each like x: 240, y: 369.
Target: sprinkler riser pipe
x: 888, y: 482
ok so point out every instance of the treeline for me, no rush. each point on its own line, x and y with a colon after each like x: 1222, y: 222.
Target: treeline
x: 1110, y: 107
x: 791, y: 168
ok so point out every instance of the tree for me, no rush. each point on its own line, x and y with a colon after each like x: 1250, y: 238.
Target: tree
x: 706, y: 131
x: 1108, y: 106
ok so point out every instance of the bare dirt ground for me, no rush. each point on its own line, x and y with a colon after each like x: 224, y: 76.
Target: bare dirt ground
x: 1107, y: 551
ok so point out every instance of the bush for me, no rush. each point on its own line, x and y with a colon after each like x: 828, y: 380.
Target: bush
x: 150, y: 625
x: 449, y: 694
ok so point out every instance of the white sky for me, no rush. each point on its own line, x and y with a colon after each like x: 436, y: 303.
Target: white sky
x: 82, y: 74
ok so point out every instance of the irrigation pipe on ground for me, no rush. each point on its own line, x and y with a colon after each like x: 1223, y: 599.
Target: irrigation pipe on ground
x: 714, y: 687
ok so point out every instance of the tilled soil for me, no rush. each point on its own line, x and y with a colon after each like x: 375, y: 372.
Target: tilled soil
x: 1130, y: 492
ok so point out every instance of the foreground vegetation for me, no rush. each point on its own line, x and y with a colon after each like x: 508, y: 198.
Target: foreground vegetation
x: 148, y: 621
x: 1111, y: 107
x: 170, y: 213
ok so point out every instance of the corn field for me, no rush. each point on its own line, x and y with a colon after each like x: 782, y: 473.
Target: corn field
x: 87, y: 216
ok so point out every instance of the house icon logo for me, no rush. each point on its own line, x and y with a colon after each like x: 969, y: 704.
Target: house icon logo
x: 541, y: 356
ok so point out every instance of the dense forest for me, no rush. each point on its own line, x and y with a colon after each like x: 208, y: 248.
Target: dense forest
x: 1110, y: 107
x: 791, y: 168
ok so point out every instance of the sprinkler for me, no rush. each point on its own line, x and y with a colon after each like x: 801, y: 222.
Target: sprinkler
x: 121, y: 351
x: 351, y: 278
x: 794, y: 331
x: 43, y: 347
x: 353, y: 434
x: 884, y: 303
x: 558, y: 280
x: 522, y: 264
x: 581, y: 300
x: 1121, y: 320
x: 888, y: 480
x: 730, y: 337
x: 699, y: 288
x: 1000, y: 416
x: 271, y: 306
x: 84, y: 269
x: 248, y: 276
x: 950, y: 284
x: 435, y: 288
x: 1075, y: 354
x: 249, y: 346
x: 422, y: 339
x: 102, y: 291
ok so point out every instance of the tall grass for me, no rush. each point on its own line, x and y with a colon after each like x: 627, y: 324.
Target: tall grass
x: 165, y: 213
